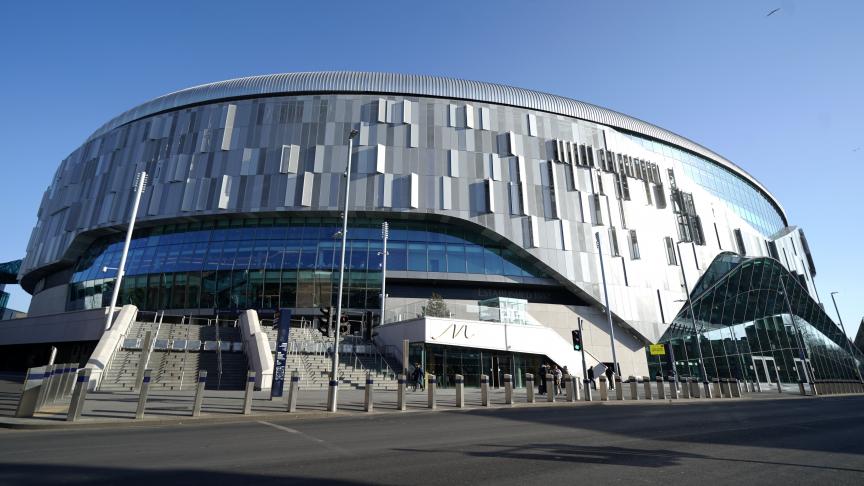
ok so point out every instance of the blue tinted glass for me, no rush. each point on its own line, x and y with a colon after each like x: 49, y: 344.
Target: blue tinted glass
x: 397, y: 258
x: 494, y: 262
x: 417, y: 257
x: 308, y: 255
x: 359, y: 255
x: 474, y: 259
x: 456, y: 258
x: 436, y: 258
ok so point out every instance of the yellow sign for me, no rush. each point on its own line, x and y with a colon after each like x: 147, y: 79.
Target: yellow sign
x: 657, y: 350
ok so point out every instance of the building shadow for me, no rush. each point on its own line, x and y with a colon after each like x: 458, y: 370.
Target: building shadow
x: 27, y: 474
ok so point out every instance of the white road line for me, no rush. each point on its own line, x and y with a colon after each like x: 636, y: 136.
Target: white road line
x: 290, y: 430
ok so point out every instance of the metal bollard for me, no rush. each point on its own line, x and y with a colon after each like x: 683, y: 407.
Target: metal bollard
x: 724, y: 388
x: 529, y: 387
x: 53, y: 384
x: 604, y: 390
x: 801, y: 388
x: 685, y: 388
x: 30, y: 394
x: 735, y: 386
x: 673, y: 389
x: 143, y: 389
x: 574, y: 385
x: 368, y: 404
x: 431, y: 390
x: 634, y: 390
x: 550, y: 388
x: 586, y: 390
x: 715, y: 388
x: 571, y: 397
x: 508, y: 389
x: 661, y: 389
x: 250, y: 387
x: 694, y: 388
x: 199, y: 393
x: 619, y: 390
x: 69, y: 379
x: 646, y: 384
x: 294, y: 391
x: 484, y: 390
x: 79, y: 395
x: 47, y: 373
x: 460, y: 391
x: 400, y: 393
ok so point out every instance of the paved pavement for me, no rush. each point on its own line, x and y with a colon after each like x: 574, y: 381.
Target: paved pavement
x: 172, y: 406
x: 805, y: 441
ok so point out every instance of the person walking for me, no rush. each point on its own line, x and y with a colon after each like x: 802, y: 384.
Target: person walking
x: 566, y: 373
x: 556, y: 372
x: 419, y: 377
x: 541, y: 387
x: 609, y: 375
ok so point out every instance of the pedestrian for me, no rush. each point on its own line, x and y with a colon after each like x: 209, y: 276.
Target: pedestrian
x: 556, y: 372
x: 591, y: 378
x: 541, y: 386
x: 566, y: 373
x: 609, y: 376
x: 419, y: 377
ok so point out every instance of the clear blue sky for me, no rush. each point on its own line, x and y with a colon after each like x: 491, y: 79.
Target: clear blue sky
x: 781, y: 96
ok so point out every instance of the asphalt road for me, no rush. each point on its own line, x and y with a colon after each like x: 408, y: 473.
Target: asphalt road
x: 791, y: 441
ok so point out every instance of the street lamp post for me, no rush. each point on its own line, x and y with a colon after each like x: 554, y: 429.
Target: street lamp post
x: 334, y: 384
x: 608, y: 309
x: 385, y: 234
x: 140, y: 181
x: 689, y: 303
x: 846, y: 336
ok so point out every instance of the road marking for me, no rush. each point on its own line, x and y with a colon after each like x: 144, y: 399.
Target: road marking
x: 289, y: 430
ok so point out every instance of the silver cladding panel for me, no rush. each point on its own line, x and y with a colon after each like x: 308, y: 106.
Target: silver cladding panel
x: 411, y: 84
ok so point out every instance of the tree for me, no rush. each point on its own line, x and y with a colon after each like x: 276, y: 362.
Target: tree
x: 436, y: 307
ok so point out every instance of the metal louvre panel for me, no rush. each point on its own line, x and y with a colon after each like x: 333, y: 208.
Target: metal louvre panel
x: 367, y: 82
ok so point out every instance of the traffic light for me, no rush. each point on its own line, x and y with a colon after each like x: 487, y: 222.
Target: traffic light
x: 324, y: 320
x: 577, y: 339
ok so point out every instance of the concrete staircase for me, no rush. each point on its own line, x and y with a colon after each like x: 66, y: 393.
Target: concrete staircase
x: 307, y: 355
x: 178, y: 369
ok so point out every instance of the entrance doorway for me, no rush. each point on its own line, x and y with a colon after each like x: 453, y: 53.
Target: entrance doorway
x: 766, y: 370
x: 803, y: 368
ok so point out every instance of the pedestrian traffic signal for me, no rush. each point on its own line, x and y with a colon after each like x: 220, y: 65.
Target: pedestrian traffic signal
x: 577, y: 340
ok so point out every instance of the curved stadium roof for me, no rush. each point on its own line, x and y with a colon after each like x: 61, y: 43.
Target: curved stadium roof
x: 409, y: 84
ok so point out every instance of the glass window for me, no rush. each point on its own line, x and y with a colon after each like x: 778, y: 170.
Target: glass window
x: 437, y: 262
x: 671, y: 258
x: 417, y: 257
x: 456, y: 258
x: 474, y: 259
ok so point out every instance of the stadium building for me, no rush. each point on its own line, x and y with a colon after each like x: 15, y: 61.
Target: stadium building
x: 497, y: 200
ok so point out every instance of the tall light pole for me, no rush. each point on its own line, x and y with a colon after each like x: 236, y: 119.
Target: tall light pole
x: 608, y: 309
x: 385, y: 234
x: 689, y: 303
x: 334, y: 385
x: 846, y: 336
x: 140, y: 181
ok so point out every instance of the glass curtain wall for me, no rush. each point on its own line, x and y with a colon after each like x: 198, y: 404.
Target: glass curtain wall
x: 757, y: 323
x: 270, y: 263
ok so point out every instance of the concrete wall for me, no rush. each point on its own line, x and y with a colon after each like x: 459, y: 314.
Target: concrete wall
x: 87, y: 325
x: 49, y: 301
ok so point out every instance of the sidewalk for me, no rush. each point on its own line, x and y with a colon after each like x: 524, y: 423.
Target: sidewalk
x: 166, y: 408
